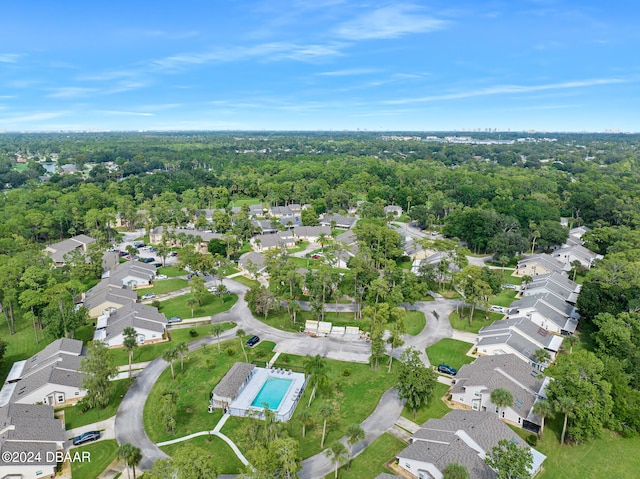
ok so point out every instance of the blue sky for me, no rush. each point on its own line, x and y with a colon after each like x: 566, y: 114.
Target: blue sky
x: 320, y: 64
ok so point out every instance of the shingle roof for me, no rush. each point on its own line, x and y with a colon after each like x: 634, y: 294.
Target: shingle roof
x: 31, y: 422
x: 58, y: 250
x: 256, y: 258
x: 341, y: 221
x: 232, y: 381
x: 135, y: 315
x: 545, y: 260
x: 307, y: 231
x: 519, y: 327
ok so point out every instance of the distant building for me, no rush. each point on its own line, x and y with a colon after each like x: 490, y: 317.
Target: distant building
x: 57, y: 251
x: 149, y: 323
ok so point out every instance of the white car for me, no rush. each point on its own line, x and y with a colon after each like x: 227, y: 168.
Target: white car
x: 497, y: 309
x: 213, y: 289
x: 161, y: 276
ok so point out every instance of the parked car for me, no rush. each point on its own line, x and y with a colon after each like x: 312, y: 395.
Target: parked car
x: 446, y: 369
x: 511, y: 286
x: 174, y: 319
x: 158, y: 265
x: 161, y: 276
x: 86, y: 437
x: 147, y: 260
x: 315, y: 256
x: 190, y: 275
x: 148, y: 296
x: 213, y: 289
x: 252, y: 341
x: 497, y: 309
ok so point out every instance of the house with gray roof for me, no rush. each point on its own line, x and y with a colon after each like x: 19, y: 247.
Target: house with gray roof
x: 232, y: 384
x: 133, y: 274
x: 311, y: 233
x: 463, y: 437
x: 149, y: 323
x: 30, y: 429
x: 50, y: 376
x: 557, y: 284
x: 394, y: 210
x: 547, y: 311
x: 266, y: 226
x: 251, y: 260
x: 275, y: 240
x: 57, y: 251
x: 539, y: 264
x: 202, y: 237
x: 567, y: 255
x: 475, y: 382
x: 518, y: 336
x: 256, y: 210
x: 107, y: 295
x: 342, y: 222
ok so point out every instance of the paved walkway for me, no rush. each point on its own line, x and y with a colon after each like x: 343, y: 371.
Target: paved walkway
x: 380, y: 421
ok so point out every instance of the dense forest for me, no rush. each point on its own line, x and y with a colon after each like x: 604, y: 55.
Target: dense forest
x: 499, y: 197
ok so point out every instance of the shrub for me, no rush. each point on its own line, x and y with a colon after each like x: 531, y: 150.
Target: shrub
x: 155, y: 303
x: 83, y: 405
x: 230, y: 351
x: 193, y: 333
x: 346, y: 373
x: 532, y: 439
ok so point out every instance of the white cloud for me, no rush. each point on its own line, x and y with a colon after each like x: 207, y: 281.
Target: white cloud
x: 28, y: 118
x: 123, y: 113
x: 508, y: 89
x: 392, y: 21
x: 348, y: 72
x: 71, y: 92
x: 9, y: 57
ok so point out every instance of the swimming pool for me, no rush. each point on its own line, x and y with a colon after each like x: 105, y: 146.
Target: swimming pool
x: 272, y: 393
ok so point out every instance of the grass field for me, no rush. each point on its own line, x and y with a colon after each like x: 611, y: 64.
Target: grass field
x: 21, y: 345
x: 371, y: 461
x: 211, y: 305
x: 102, y: 454
x: 248, y: 282
x: 226, y: 460
x: 245, y: 201
x: 162, y: 286
x: 203, y: 369
x: 415, y: 322
x: 478, y: 320
x: 74, y: 418
x: 449, y: 351
x: 172, y: 271
x: 152, y: 351
x: 504, y: 298
x: 435, y: 408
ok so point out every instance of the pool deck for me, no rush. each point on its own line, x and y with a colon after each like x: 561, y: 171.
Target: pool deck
x: 260, y: 376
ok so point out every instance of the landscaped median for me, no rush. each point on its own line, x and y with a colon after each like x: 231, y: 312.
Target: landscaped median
x: 212, y: 304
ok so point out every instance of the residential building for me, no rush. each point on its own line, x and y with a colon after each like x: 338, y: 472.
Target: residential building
x: 107, y: 295
x: 547, y: 311
x: 149, y: 323
x: 30, y: 429
x: 539, y: 264
x: 579, y: 253
x: 519, y: 336
x: 251, y: 260
x: 57, y: 251
x: 50, y: 376
x: 464, y: 437
x: 554, y: 283
x: 275, y: 240
x: 133, y: 274
x: 199, y: 238
x: 311, y: 233
x: 394, y: 210
x: 475, y: 382
x: 340, y: 221
x: 232, y: 384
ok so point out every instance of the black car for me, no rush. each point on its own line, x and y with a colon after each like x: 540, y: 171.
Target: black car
x: 252, y: 341
x: 446, y: 369
x: 86, y: 437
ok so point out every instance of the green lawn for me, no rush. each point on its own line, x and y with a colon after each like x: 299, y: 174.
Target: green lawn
x: 226, y: 460
x: 416, y: 322
x: 504, y: 298
x: 211, y: 305
x: 449, y: 351
x: 478, y: 320
x: 354, y: 397
x: 85, y: 333
x: 300, y: 246
x: 436, y: 408
x: 280, y: 319
x: 152, y: 351
x: 165, y: 286
x: 21, y: 345
x: 245, y: 201
x: 608, y: 456
x: 172, y: 271
x: 248, y: 282
x: 371, y: 461
x: 74, y: 418
x: 102, y: 454
x: 203, y: 369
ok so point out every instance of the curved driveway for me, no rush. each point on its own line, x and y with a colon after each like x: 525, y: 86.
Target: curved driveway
x: 129, y: 426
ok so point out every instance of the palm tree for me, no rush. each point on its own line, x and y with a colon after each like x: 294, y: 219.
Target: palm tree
x: 322, y: 240
x: 130, y: 343
x: 543, y: 409
x: 541, y: 356
x: 170, y: 356
x: 182, y: 348
x: 526, y: 279
x: 316, y: 368
x: 240, y: 333
x: 306, y: 418
x: 130, y: 455
x: 571, y: 339
x: 326, y: 412
x: 192, y: 303
x: 216, y: 330
x: 502, y: 398
x: 338, y: 453
x: 564, y: 405
x: 222, y: 290
x: 455, y: 471
x: 355, y: 434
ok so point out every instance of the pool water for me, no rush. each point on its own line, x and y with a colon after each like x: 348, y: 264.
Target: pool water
x: 272, y: 393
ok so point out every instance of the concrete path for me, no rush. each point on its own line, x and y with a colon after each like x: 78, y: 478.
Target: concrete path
x: 380, y: 421
x: 407, y: 424
x: 105, y: 426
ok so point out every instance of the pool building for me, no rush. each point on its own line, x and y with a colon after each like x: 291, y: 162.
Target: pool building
x: 248, y: 390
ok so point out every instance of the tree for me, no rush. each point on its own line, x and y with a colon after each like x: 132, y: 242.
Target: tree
x: 198, y: 290
x: 216, y: 330
x: 572, y: 339
x: 192, y: 302
x: 509, y: 460
x: 130, y: 455
x: 130, y: 343
x: 306, y: 419
x: 162, y: 469
x: 455, y: 470
x: 415, y: 380
x: 316, y: 368
x: 564, y: 405
x: 222, y: 291
x: 541, y: 357
x: 355, y: 434
x: 166, y: 409
x: 544, y: 409
x: 338, y: 453
x: 502, y: 398
x: 170, y: 355
x: 192, y: 462
x: 98, y: 367
x: 240, y: 334
x: 182, y: 349
x: 326, y: 412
